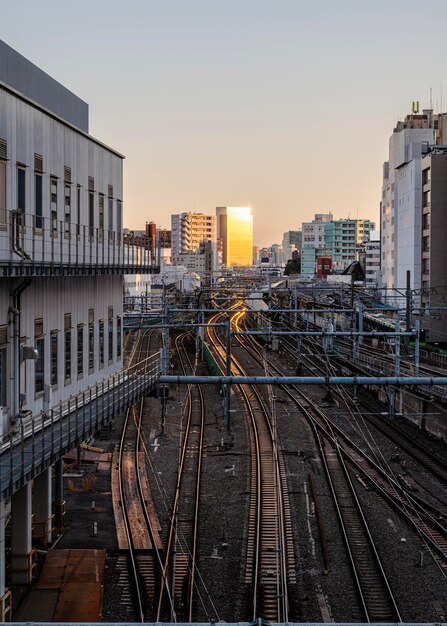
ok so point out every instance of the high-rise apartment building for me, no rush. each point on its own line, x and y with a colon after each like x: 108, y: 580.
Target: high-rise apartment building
x: 401, y: 202
x: 343, y: 237
x: 189, y: 230
x: 313, y: 238
x: 313, y: 232
x: 235, y: 230
x: 433, y: 246
x: 195, y: 234
x: 292, y: 238
x: 371, y: 251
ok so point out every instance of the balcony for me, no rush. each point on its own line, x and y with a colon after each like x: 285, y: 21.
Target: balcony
x: 38, y: 441
x: 32, y: 245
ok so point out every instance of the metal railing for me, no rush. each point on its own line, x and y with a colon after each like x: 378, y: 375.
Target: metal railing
x: 30, y: 240
x: 39, y: 440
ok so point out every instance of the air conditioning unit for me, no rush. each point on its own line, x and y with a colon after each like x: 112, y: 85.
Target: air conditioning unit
x: 29, y: 352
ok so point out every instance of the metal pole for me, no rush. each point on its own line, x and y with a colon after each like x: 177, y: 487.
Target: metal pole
x: 295, y: 304
x: 408, y: 302
x: 397, y: 381
x: 417, y: 349
x: 228, y: 373
x: 298, y: 356
x: 397, y: 349
x: 360, y: 304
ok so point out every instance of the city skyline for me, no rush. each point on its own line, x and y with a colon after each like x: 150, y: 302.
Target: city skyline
x: 286, y: 108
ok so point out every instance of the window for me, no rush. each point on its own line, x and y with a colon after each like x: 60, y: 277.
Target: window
x: 39, y: 344
x: 91, y: 206
x: 110, y: 332
x: 110, y: 211
x: 101, y: 216
x: 101, y: 343
x: 91, y: 341
x: 80, y: 367
x: 53, y: 357
x: 2, y: 191
x: 118, y: 337
x: 426, y: 176
x: 426, y: 221
x: 425, y: 266
x: 21, y: 188
x: 78, y: 205
x: 3, y: 375
x: 119, y: 216
x: 67, y: 348
x: 53, y: 203
x: 67, y: 207
x: 91, y: 214
x: 38, y: 199
x: 425, y: 198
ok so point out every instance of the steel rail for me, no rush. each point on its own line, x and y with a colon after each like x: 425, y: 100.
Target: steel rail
x: 190, y: 552
x: 270, y: 478
x: 252, y: 546
x: 375, y: 595
x: 435, y: 464
x: 434, y: 534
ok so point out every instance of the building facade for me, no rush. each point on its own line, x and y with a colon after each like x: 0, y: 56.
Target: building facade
x: 433, y: 244
x: 343, y: 238
x: 371, y: 252
x: 189, y: 230
x: 235, y: 230
x: 401, y: 200
x: 62, y: 259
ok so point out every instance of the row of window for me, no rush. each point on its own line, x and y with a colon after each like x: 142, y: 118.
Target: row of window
x: 105, y: 348
x: 72, y: 200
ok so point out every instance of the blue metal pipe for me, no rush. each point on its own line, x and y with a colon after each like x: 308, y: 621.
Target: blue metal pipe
x: 397, y: 381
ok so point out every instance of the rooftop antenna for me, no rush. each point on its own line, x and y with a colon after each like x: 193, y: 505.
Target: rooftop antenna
x: 431, y: 98
x: 441, y: 99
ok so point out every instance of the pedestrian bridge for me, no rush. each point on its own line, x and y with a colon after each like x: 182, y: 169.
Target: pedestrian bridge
x: 37, y: 441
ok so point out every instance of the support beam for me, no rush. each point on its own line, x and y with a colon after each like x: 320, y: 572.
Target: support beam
x: 304, y: 380
x: 42, y: 508
x: 21, y: 543
x: 59, y: 502
x: 2, y: 548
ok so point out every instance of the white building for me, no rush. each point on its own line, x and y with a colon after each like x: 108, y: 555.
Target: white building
x: 62, y: 257
x: 401, y: 204
x: 189, y: 230
x: 372, y: 258
x: 195, y: 234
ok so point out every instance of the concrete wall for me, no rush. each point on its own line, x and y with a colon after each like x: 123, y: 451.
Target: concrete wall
x: 50, y: 299
x: 25, y: 77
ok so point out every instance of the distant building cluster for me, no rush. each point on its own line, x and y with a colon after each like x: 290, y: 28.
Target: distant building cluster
x: 196, y: 248
x: 326, y: 247
x: 406, y: 245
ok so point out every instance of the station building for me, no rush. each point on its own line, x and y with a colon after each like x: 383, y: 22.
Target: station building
x: 62, y: 260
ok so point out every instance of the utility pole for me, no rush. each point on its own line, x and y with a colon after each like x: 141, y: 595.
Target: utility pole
x: 227, y: 388
x: 408, y: 303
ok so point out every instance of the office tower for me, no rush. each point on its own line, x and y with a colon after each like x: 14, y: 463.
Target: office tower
x: 235, y: 229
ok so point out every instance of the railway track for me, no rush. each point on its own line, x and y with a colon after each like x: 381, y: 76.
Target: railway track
x: 180, y: 565
x: 139, y: 528
x: 421, y: 453
x: 429, y: 526
x: 373, y: 590
x: 270, y: 565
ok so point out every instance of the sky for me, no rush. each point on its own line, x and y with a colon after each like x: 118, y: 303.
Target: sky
x: 283, y: 105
